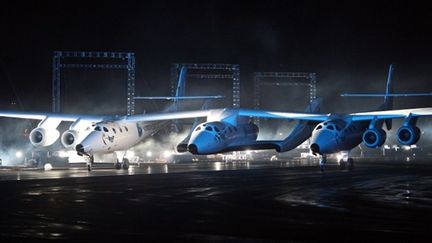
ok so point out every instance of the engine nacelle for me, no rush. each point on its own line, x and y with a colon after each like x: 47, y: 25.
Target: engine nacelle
x: 374, y: 137
x: 69, y: 139
x: 42, y: 137
x: 408, y: 135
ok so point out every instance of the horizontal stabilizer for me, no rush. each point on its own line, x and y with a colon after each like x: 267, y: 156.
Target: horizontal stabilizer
x: 178, y: 97
x: 385, y: 95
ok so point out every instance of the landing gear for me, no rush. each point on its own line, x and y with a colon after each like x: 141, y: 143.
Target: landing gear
x: 350, y: 164
x: 346, y: 164
x: 322, y: 162
x: 124, y: 164
x: 118, y: 165
x: 342, y: 164
x: 90, y: 163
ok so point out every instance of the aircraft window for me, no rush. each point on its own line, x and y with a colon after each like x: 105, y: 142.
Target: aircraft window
x: 126, y: 129
x: 330, y: 127
x: 198, y: 128
x: 325, y: 123
x: 120, y: 129
x: 114, y: 130
x: 216, y: 129
x: 98, y: 128
x: 105, y: 129
x: 209, y: 129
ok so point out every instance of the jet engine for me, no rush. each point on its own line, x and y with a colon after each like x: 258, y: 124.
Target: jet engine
x: 69, y: 138
x: 374, y: 137
x: 408, y: 135
x: 42, y: 137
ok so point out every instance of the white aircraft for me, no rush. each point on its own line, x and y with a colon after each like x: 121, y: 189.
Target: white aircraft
x: 90, y: 135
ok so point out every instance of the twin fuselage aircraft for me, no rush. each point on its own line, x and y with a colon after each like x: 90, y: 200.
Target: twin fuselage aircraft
x: 229, y: 129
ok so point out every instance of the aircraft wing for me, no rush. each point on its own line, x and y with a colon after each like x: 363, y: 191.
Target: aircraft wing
x: 284, y: 115
x: 391, y: 114
x: 44, y: 115
x: 168, y: 116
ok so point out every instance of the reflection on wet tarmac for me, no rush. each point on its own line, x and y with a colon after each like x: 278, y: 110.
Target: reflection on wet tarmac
x: 219, y: 201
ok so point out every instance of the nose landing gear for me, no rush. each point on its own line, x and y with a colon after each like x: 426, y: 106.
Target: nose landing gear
x: 90, y: 162
x: 323, y: 161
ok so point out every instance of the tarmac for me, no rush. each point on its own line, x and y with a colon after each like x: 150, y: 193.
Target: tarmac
x: 220, y: 202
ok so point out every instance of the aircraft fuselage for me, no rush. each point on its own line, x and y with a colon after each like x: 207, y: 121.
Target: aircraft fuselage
x: 335, y: 135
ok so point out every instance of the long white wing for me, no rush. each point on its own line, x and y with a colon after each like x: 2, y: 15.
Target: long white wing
x: 284, y: 115
x: 391, y: 114
x: 43, y: 115
x: 168, y: 116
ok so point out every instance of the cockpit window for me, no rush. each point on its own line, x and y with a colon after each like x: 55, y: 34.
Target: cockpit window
x: 98, y: 128
x: 198, y: 128
x: 318, y: 127
x: 216, y: 129
x: 105, y: 129
x: 330, y: 127
x: 120, y: 130
x: 337, y: 128
x: 209, y: 129
x: 126, y: 129
x: 114, y: 130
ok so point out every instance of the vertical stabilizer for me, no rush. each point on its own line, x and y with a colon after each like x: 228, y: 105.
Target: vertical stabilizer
x: 181, y: 87
x: 388, y: 100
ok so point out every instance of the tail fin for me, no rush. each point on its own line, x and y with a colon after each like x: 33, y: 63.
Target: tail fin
x: 388, y: 98
x: 181, y: 84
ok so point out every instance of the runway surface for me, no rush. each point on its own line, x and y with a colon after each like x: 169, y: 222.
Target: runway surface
x: 256, y: 201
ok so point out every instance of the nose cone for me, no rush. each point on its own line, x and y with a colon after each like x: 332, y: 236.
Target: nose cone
x: 193, y: 148
x: 204, y: 142
x: 93, y: 143
x: 323, y: 142
x: 80, y: 148
x: 315, y: 148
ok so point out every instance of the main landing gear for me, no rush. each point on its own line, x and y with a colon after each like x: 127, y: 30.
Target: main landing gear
x: 124, y: 164
x: 346, y: 164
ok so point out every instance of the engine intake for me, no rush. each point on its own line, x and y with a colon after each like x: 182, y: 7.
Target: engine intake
x: 69, y: 138
x: 408, y: 135
x: 374, y: 137
x: 41, y: 137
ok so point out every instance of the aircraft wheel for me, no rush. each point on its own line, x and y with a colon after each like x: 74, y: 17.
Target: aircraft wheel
x: 322, y: 162
x: 125, y: 164
x: 350, y: 164
x: 89, y: 167
x: 342, y: 164
x: 118, y: 165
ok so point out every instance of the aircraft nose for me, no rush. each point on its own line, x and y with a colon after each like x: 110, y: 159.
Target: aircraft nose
x: 193, y: 148
x: 79, y: 148
x: 315, y: 148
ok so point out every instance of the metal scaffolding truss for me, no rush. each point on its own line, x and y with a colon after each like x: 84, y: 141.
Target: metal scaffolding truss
x: 226, y: 71
x: 282, y: 79
x: 127, y: 60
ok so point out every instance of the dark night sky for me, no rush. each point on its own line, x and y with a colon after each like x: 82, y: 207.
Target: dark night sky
x: 348, y: 45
